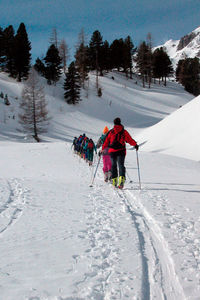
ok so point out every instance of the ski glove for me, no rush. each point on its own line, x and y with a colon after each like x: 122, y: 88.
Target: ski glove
x: 136, y: 147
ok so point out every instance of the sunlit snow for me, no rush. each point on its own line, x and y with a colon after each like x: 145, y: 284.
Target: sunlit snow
x: 63, y: 240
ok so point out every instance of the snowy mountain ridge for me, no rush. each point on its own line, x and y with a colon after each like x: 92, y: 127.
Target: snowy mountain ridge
x: 187, y: 46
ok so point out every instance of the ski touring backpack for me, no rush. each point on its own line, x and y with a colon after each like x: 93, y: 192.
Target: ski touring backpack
x: 90, y: 145
x: 118, y: 142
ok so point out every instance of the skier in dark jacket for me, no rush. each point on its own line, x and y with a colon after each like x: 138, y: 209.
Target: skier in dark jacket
x: 116, y: 141
x: 90, y: 151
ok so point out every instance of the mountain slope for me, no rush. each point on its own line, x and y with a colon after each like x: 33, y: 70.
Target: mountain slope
x: 187, y: 46
x: 177, y: 134
x: 61, y: 239
x: 137, y: 107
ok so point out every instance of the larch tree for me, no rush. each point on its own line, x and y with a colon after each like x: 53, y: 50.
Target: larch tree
x: 54, y: 37
x: 33, y: 115
x: 64, y: 54
x: 82, y: 60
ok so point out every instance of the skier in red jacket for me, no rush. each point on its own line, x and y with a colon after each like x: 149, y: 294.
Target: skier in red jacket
x: 116, y: 141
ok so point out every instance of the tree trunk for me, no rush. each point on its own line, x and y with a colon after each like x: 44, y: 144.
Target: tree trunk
x: 34, y: 121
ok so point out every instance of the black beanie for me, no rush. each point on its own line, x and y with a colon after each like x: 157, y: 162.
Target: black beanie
x: 117, y: 121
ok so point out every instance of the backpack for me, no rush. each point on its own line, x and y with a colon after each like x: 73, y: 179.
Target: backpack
x: 118, y: 142
x: 90, y: 145
x: 75, y: 141
x: 103, y: 137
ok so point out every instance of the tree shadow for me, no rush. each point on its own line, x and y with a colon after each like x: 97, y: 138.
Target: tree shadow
x: 166, y: 187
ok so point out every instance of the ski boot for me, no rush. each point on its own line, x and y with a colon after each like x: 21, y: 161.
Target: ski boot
x: 109, y: 176
x: 114, y: 182
x: 106, y: 176
x: 121, y: 182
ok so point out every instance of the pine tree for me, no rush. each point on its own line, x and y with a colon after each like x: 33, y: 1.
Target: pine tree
x: 40, y: 66
x: 128, y: 55
x: 9, y: 51
x: 6, y: 101
x: 72, y: 85
x: 33, y: 114
x: 142, y: 61
x: 95, y: 52
x: 162, y: 66
x: 2, y: 49
x: 53, y: 65
x: 106, y: 61
x: 149, y: 59
x: 22, y: 55
x: 117, y: 53
x: 179, y: 70
x: 187, y: 73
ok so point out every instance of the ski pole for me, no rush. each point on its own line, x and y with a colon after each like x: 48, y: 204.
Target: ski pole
x: 138, y: 169
x: 95, y: 171
x: 129, y: 177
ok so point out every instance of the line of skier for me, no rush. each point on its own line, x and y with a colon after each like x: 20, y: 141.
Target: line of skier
x: 85, y: 147
x: 113, y: 150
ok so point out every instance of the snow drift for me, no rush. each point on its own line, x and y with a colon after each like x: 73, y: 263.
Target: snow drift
x: 178, y: 134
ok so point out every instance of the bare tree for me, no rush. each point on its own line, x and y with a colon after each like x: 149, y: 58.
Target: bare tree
x: 81, y: 56
x: 33, y: 114
x: 150, y: 63
x: 54, y: 37
x: 64, y: 54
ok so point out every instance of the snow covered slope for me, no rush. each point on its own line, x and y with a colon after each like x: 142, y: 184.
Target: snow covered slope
x: 63, y: 240
x: 178, y: 134
x: 137, y: 107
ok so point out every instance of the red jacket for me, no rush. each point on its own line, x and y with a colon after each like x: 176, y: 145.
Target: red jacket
x: 123, y: 137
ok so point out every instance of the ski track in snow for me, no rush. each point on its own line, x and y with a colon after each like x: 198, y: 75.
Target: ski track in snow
x: 185, y: 237
x: 159, y: 279
x: 116, y: 220
x: 11, y: 207
x: 159, y: 276
x: 105, y: 279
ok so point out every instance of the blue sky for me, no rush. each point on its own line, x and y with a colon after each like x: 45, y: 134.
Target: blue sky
x: 164, y: 19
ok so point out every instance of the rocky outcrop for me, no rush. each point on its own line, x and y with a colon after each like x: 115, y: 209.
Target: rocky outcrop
x: 184, y: 41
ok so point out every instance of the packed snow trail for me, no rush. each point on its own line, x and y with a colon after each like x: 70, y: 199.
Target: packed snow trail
x: 12, y: 208
x: 67, y: 240
x: 158, y: 265
x: 61, y: 239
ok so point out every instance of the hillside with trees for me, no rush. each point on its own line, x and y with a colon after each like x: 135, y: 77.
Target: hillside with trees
x: 151, y: 65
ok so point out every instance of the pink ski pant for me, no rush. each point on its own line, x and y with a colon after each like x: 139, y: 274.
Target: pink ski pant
x: 106, y: 163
